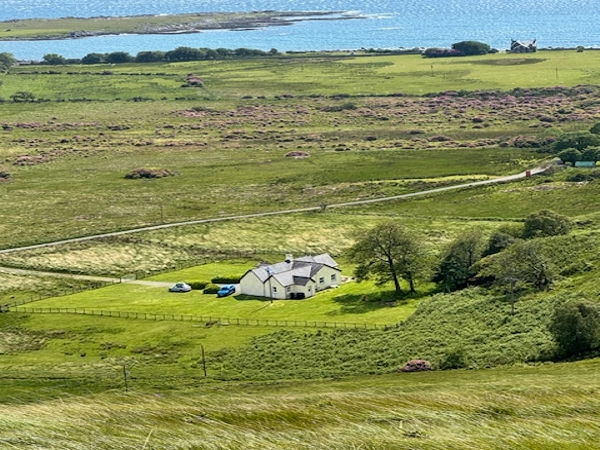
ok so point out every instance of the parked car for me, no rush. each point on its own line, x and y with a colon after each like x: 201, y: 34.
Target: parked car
x: 180, y: 287
x: 226, y: 290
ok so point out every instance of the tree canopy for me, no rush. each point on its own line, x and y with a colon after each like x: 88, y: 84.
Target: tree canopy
x: 7, y: 60
x: 576, y: 328
x: 455, y: 268
x: 471, y: 47
x: 546, y: 223
x: 390, y: 252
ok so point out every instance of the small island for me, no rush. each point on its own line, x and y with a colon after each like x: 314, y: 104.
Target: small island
x: 75, y: 27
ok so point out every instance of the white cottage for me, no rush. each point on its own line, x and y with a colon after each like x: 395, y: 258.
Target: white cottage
x: 293, y: 278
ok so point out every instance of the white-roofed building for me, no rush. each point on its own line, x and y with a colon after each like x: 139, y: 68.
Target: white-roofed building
x: 291, y: 279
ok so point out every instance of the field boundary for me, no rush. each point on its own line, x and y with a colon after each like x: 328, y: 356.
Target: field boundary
x: 209, y: 321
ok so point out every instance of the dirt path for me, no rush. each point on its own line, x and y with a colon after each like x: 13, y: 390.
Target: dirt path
x: 72, y: 276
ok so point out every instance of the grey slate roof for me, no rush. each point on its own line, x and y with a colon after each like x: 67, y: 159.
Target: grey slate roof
x: 295, y: 272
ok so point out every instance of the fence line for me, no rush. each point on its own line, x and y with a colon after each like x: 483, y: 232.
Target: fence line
x: 209, y: 321
x: 5, y: 307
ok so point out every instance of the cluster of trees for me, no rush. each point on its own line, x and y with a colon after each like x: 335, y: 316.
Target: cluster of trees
x: 178, y: 54
x: 510, y: 259
x: 577, y: 146
x: 462, y: 48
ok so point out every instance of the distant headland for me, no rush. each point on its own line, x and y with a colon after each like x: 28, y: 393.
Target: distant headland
x: 76, y: 28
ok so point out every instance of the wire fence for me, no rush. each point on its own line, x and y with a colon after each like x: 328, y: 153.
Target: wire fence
x: 5, y: 307
x: 208, y: 321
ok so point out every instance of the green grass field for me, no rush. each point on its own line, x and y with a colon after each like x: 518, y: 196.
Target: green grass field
x: 554, y: 406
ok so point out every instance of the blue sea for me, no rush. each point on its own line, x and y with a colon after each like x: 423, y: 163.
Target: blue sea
x: 386, y: 24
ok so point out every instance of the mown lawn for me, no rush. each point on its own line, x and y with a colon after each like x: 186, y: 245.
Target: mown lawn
x: 350, y: 303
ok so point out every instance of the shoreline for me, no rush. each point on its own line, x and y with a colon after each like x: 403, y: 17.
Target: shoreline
x: 18, y: 30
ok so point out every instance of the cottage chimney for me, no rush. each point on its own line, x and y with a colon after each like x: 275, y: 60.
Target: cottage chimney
x: 289, y: 258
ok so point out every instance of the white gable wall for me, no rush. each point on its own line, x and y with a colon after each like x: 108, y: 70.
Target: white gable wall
x: 251, y: 285
x: 327, y: 277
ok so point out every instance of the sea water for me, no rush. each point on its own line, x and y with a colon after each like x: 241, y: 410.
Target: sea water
x: 385, y: 24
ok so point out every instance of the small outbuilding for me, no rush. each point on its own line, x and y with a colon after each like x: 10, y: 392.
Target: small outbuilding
x: 291, y: 279
x: 585, y: 164
x: 523, y: 46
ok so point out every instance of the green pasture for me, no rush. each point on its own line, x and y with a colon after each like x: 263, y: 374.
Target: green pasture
x: 78, y: 196
x: 350, y: 303
x: 310, y: 75
x: 251, y: 240
x: 515, y: 200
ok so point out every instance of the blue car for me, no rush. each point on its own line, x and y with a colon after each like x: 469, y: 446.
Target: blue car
x: 226, y: 290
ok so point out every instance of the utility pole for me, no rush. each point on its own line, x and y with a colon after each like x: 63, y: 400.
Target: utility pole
x: 126, y: 377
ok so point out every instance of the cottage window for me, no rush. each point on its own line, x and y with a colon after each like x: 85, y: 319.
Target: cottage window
x: 333, y: 277
x: 274, y: 289
x: 322, y: 280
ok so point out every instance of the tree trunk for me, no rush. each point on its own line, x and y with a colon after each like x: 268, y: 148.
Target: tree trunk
x: 394, y: 276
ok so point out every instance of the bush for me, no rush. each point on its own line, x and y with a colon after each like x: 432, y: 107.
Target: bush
x: 226, y: 279
x: 211, y: 288
x: 471, y: 47
x: 148, y: 173
x: 416, y: 365
x: 454, y: 359
x: 576, y: 328
x: 197, y: 285
x: 545, y: 223
x: 441, y: 53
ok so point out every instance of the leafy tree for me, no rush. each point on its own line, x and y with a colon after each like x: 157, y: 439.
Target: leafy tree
x: 93, y: 58
x: 7, y: 60
x: 570, y: 155
x: 576, y: 140
x: 545, y: 223
x: 389, y: 252
x: 498, y: 241
x: 471, y: 47
x: 522, y: 267
x: 54, y: 59
x: 595, y: 129
x: 456, y: 267
x: 184, y: 54
x: 576, y: 328
x: 118, y: 58
x: 590, y: 154
x: 149, y: 56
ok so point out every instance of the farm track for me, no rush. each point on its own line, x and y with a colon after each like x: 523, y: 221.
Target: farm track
x: 504, y: 179
x: 73, y: 276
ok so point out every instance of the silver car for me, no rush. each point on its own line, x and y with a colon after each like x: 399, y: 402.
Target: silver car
x: 180, y: 287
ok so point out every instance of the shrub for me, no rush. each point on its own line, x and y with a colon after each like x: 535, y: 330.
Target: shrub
x: 416, y: 365
x: 226, y: 279
x: 211, y: 288
x: 143, y: 172
x: 545, y: 223
x: 471, y: 47
x: 197, y: 285
x: 454, y: 359
x: 441, y: 53
x: 576, y: 328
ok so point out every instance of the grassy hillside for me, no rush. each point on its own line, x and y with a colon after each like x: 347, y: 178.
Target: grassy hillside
x: 524, y: 408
